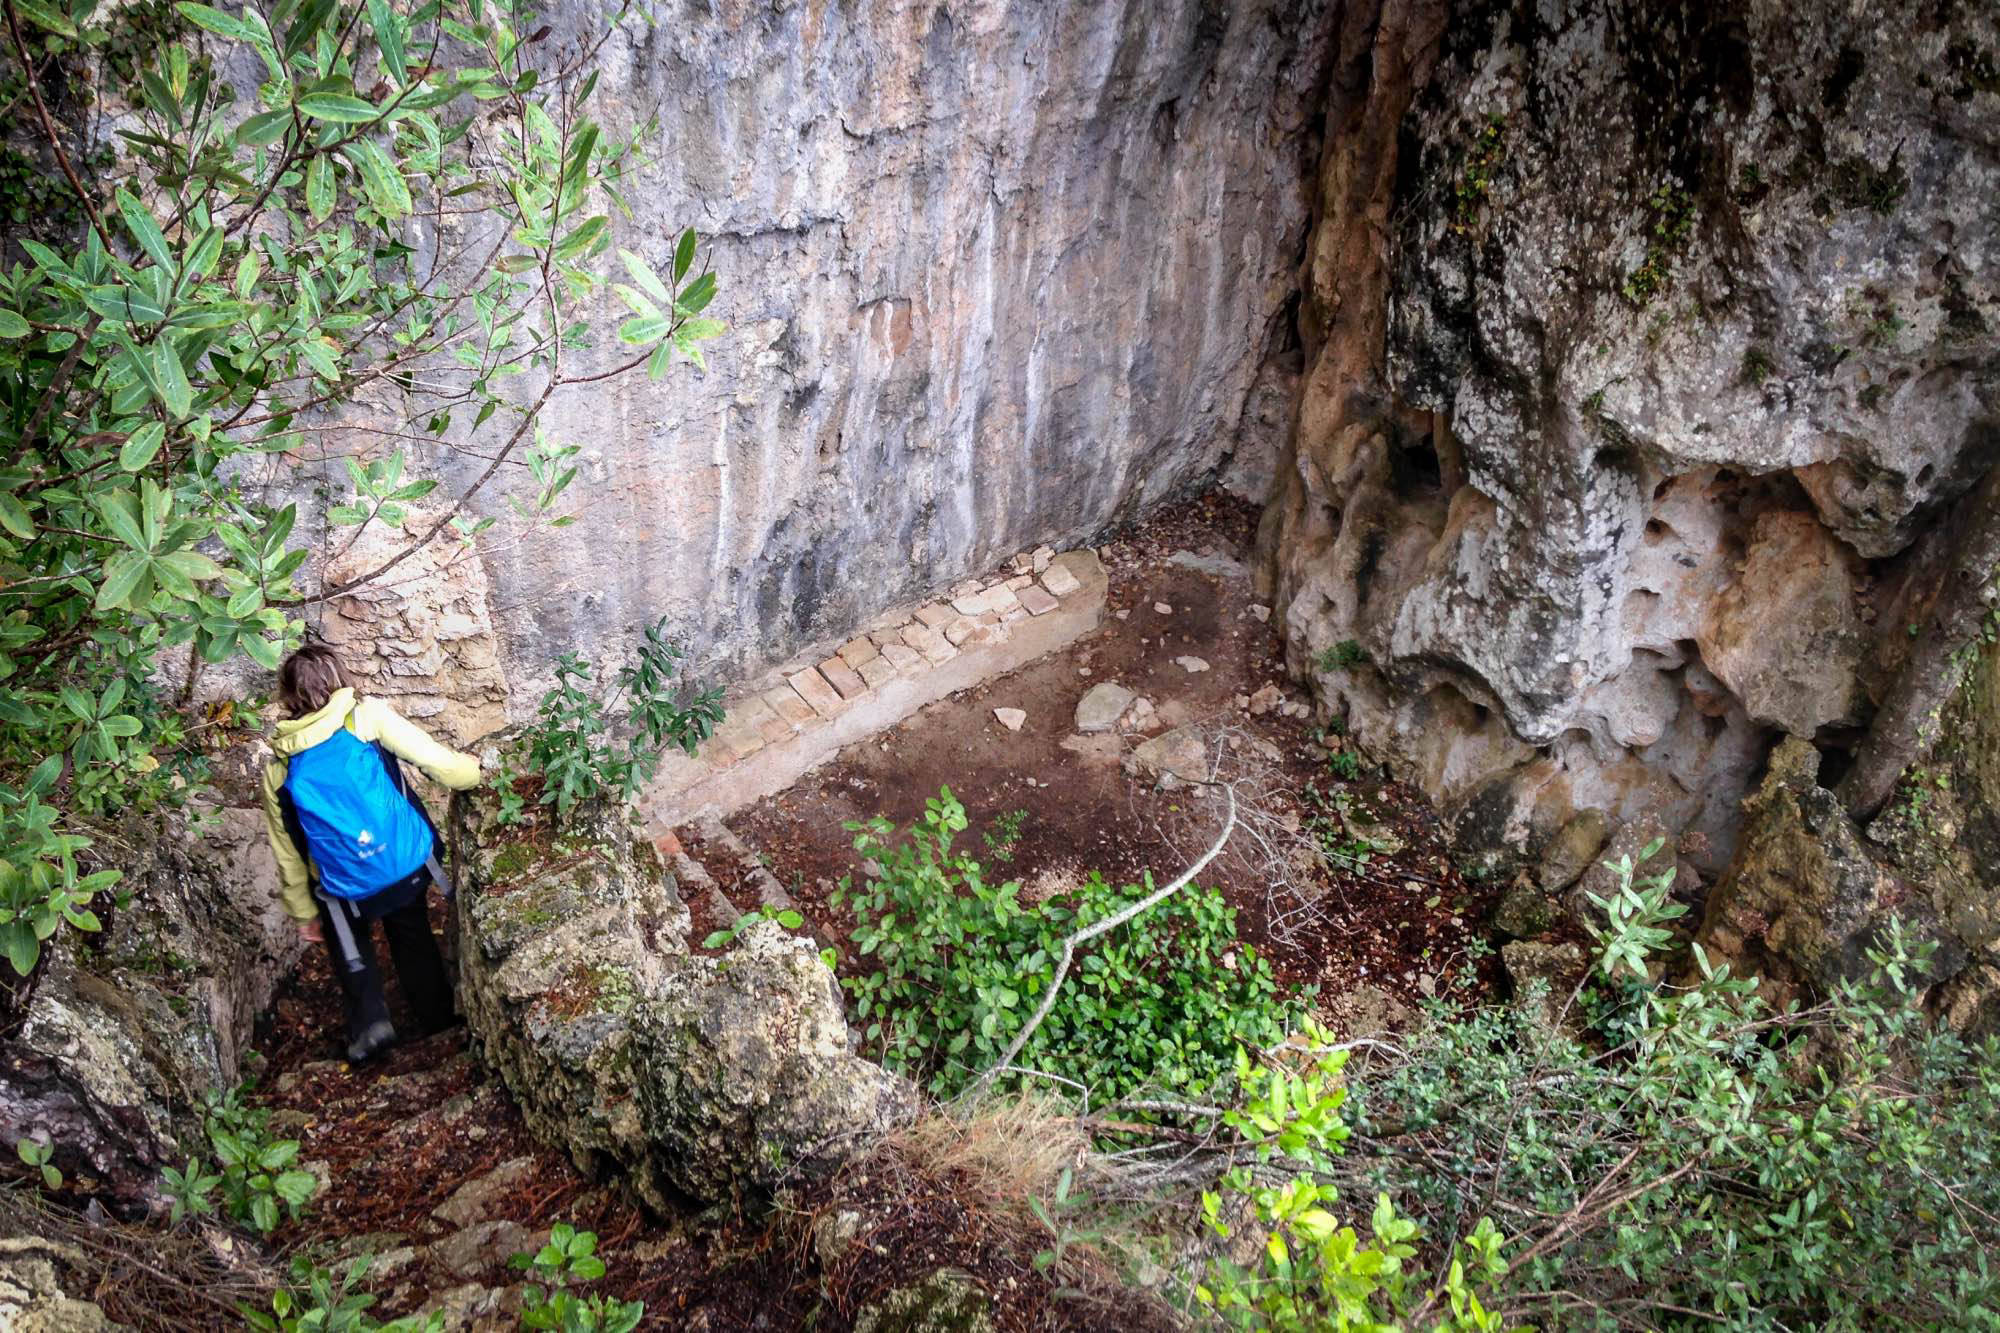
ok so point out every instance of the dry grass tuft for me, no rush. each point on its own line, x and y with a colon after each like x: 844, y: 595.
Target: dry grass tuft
x: 1003, y: 1150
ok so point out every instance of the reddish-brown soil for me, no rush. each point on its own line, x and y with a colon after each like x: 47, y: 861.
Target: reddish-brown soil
x: 1401, y: 922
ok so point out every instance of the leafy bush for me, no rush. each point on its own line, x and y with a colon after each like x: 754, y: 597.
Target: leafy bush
x: 256, y: 1173
x: 570, y: 743
x: 547, y: 1303
x: 243, y: 272
x: 315, y: 1303
x: 1722, y: 1165
x: 960, y: 963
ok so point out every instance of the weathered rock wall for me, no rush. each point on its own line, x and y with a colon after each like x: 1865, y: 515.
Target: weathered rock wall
x: 1689, y: 336
x: 125, y: 1030
x: 995, y: 274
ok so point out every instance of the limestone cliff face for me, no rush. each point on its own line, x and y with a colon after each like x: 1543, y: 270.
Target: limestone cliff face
x: 995, y: 273
x: 1689, y: 336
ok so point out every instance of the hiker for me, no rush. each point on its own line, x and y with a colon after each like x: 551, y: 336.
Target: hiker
x: 353, y: 846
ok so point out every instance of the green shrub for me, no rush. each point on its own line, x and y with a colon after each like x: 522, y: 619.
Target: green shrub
x: 570, y: 743
x: 1721, y: 1164
x: 256, y: 1173
x: 314, y: 1302
x: 961, y: 962
x: 569, y: 1257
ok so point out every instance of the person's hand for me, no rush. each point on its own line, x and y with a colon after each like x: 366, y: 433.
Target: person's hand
x: 309, y: 931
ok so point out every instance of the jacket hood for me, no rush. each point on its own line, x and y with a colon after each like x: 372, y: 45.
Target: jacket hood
x: 302, y: 733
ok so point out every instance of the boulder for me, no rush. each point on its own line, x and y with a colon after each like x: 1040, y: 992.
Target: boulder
x: 948, y: 1301
x: 1182, y: 753
x: 1525, y: 912
x: 32, y: 1299
x: 1543, y: 975
x: 1572, y: 851
x: 677, y: 1074
x: 124, y: 1031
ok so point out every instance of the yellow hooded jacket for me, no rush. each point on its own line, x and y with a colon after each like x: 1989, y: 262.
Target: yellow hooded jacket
x: 370, y: 720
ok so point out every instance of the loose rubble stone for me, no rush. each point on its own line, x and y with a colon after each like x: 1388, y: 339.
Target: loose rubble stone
x: 1572, y: 851
x: 1042, y: 556
x: 1010, y: 718
x: 1163, y: 608
x: 1181, y: 752
x: 959, y: 630
x: 483, y: 1246
x: 1059, y: 581
x: 1191, y: 664
x: 935, y: 648
x: 1102, y: 705
x: 1141, y: 716
x: 1265, y: 699
x: 1260, y: 611
x: 474, y: 1200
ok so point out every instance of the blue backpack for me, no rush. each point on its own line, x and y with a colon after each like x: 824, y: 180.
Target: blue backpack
x: 362, y: 831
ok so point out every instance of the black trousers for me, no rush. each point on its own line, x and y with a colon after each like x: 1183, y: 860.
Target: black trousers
x: 419, y: 967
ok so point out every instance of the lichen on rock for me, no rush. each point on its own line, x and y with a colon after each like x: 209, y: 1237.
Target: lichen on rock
x: 678, y: 1074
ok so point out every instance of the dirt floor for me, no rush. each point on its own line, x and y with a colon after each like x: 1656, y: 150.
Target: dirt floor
x: 1047, y: 806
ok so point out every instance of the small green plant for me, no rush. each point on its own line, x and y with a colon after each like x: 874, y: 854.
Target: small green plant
x: 314, y: 1302
x: 723, y: 938
x: 1670, y: 215
x: 1341, y: 656
x: 1346, y: 765
x: 1482, y: 159
x: 1757, y: 366
x: 569, y: 1258
x: 35, y: 1154
x: 257, y: 1174
x: 960, y: 962
x: 1005, y: 835
x: 570, y: 745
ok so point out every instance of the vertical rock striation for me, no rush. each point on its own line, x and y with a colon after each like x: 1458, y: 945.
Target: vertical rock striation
x: 995, y: 273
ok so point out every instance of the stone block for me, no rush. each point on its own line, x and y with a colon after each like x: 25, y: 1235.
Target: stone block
x: 856, y: 651
x: 959, y: 630
x: 1002, y: 600
x: 1059, y: 581
x: 843, y: 678
x: 930, y: 643
x: 735, y: 738
x: 877, y: 672
x: 933, y: 616
x: 755, y: 713
x: 786, y: 703
x: 812, y: 687
x: 1037, y: 601
x: 970, y: 605
x: 903, y: 658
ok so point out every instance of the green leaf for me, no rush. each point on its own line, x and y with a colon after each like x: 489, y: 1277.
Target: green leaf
x: 174, y: 390
x: 389, y: 36
x: 141, y: 445
x: 120, y: 512
x: 380, y: 178
x: 264, y: 128
x: 145, y: 230
x: 44, y: 16
x: 12, y: 325
x: 127, y: 304
x: 319, y: 187
x: 339, y: 108
x: 262, y: 651
x: 123, y: 574
x: 215, y: 21
x: 684, y: 254
x: 14, y: 517
x: 642, y: 273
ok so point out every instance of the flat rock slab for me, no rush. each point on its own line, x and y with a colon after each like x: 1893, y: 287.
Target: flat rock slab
x: 1181, y: 752
x: 1011, y: 718
x: 1102, y: 705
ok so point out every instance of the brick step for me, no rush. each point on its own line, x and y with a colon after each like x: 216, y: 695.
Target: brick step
x: 770, y: 893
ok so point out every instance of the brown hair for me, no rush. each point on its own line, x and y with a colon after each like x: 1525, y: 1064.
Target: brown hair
x: 308, y: 679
